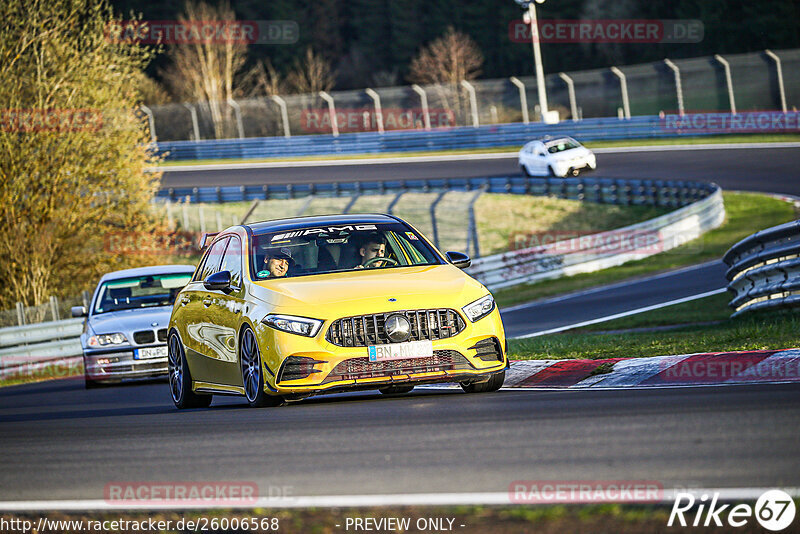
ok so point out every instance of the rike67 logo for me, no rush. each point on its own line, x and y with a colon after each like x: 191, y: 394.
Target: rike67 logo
x: 774, y: 510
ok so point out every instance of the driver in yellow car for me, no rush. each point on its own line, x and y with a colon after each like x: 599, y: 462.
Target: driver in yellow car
x: 374, y: 247
x: 277, y: 263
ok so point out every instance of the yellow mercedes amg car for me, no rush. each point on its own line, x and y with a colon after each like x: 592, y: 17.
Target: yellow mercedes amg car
x: 281, y: 310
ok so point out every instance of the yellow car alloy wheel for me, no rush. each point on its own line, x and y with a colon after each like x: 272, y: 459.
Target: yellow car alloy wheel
x: 252, y: 375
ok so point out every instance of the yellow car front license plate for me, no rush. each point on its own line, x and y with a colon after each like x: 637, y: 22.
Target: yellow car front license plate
x: 401, y: 351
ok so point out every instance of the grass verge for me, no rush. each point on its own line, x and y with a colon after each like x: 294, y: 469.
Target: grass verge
x: 758, y: 331
x: 698, y: 140
x: 746, y: 213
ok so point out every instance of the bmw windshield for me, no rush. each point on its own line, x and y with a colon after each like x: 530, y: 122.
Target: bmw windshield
x: 328, y: 249
x: 139, y: 292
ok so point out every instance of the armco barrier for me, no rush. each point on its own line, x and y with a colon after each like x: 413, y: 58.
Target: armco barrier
x: 498, y: 135
x: 602, y: 250
x: 595, y: 189
x: 23, y: 346
x: 765, y: 269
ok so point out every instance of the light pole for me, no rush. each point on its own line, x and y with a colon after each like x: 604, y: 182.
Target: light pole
x: 530, y: 18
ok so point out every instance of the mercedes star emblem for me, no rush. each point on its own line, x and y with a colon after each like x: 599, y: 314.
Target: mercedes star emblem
x: 397, y: 328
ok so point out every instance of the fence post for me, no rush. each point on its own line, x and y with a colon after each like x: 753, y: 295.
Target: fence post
x: 237, y: 111
x: 250, y: 211
x: 20, y: 314
x: 185, y: 216
x: 523, y: 98
x: 352, y: 203
x: 777, y: 61
x: 151, y: 121
x: 195, y: 125
x: 623, y: 84
x: 473, y: 101
x: 434, y: 225
x: 573, y: 106
x: 395, y: 200
x: 423, y: 97
x: 305, y: 205
x: 169, y: 214
x: 331, y: 112
x: 284, y: 114
x: 728, y: 81
x: 219, y: 221
x: 678, y: 88
x: 472, y: 232
x: 201, y: 216
x: 54, y: 307
x: 376, y: 100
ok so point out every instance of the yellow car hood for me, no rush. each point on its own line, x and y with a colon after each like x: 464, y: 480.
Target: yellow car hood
x: 357, y: 292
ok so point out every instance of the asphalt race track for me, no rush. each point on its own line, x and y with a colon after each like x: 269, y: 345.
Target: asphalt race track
x: 60, y: 441
x: 613, y: 299
x: 772, y: 170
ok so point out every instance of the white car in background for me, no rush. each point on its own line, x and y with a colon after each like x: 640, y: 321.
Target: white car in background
x: 555, y: 156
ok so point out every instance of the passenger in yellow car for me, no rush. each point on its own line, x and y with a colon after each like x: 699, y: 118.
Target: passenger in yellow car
x: 374, y: 246
x: 277, y: 263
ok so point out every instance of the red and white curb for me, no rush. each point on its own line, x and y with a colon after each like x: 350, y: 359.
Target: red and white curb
x: 715, y: 368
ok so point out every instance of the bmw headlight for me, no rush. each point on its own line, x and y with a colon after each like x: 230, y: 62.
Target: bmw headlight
x: 480, y: 308
x: 104, y: 340
x: 302, y: 326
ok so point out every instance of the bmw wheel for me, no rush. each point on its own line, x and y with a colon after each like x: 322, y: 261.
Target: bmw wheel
x: 252, y: 375
x: 525, y: 170
x: 494, y: 383
x: 180, y: 380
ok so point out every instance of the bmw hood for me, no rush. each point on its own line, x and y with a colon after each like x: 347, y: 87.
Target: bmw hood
x: 130, y: 320
x: 370, y: 290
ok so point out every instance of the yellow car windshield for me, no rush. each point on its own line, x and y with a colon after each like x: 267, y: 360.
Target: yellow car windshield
x: 327, y: 249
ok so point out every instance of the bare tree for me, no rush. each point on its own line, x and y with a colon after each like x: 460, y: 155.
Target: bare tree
x: 206, y: 70
x: 261, y: 80
x: 451, y: 58
x: 311, y: 74
x: 445, y: 63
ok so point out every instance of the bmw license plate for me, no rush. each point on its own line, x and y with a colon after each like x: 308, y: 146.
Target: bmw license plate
x: 401, y: 351
x: 150, y: 352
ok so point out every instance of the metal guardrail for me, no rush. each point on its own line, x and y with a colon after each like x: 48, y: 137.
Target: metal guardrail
x: 602, y: 250
x: 463, y: 137
x: 764, y: 269
x: 31, y: 345
x: 672, y: 193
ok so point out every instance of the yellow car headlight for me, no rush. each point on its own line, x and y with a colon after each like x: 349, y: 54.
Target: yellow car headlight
x: 302, y: 326
x: 480, y: 308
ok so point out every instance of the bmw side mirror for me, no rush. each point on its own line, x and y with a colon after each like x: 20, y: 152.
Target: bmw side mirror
x: 220, y: 281
x: 459, y: 259
x: 78, y: 311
